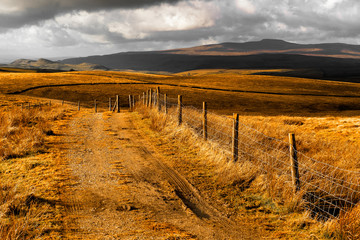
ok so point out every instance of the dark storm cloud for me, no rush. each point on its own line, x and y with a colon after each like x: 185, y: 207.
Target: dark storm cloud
x: 17, y: 13
x: 86, y: 27
x: 292, y: 20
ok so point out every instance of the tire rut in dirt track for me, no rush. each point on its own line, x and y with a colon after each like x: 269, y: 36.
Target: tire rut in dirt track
x: 125, y: 190
x: 184, y: 190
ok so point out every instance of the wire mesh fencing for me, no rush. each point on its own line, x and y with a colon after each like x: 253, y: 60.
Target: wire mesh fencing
x: 326, y: 191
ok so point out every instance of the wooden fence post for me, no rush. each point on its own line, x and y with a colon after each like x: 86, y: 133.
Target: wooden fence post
x: 144, y: 98
x: 235, y: 142
x: 130, y: 101
x: 62, y: 103
x: 165, y: 103
x: 179, y: 110
x: 205, y: 132
x: 95, y: 106
x: 110, y: 104
x: 78, y: 105
x: 147, y: 98
x: 150, y: 97
x: 117, y: 104
x: 294, y: 163
x: 133, y: 102
x: 158, y: 99
x: 154, y: 98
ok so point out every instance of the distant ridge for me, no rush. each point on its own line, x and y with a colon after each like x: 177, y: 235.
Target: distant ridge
x: 337, y: 50
x: 329, y: 60
x: 325, y: 60
x: 45, y: 64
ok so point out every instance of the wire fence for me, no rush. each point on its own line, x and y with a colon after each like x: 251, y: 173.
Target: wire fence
x: 326, y: 191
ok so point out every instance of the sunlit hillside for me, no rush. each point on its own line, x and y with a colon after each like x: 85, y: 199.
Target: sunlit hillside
x: 322, y: 114
x: 226, y: 91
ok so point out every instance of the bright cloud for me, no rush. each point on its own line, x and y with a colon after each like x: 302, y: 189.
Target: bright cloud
x: 86, y: 27
x: 245, y: 6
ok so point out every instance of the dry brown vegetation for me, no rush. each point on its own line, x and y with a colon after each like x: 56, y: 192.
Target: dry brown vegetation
x: 322, y: 114
x: 23, y: 131
x: 245, y: 93
x: 30, y: 174
x: 239, y: 190
x: 263, y: 168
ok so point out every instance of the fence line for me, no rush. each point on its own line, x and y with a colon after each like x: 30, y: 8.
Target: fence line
x: 326, y: 190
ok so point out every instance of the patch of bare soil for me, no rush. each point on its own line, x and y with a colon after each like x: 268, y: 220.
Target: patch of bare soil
x: 124, y: 190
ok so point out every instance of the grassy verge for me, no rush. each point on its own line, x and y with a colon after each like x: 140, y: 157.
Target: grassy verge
x: 31, y: 172
x: 237, y: 190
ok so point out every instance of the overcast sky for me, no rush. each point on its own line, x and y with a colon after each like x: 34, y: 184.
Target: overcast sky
x: 69, y: 28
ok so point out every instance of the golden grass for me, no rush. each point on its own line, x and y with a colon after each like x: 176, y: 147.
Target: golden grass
x: 236, y: 189
x: 346, y: 227
x: 322, y: 139
x: 325, y: 127
x: 18, y: 70
x: 15, y: 81
x: 261, y: 94
x: 30, y: 174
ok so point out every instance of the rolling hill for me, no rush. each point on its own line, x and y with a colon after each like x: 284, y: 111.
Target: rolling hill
x: 273, y: 46
x: 48, y: 65
x: 327, y: 60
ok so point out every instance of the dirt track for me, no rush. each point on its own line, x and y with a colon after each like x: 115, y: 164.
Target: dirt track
x: 125, y: 191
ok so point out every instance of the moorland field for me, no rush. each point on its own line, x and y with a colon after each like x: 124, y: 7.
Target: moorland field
x: 226, y: 91
x: 323, y: 114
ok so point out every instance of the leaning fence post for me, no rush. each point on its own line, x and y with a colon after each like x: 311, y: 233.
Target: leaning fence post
x: 205, y: 132
x: 179, y: 110
x: 294, y: 163
x: 95, y: 106
x: 117, y: 104
x: 150, y: 97
x: 235, y: 142
x: 158, y: 98
x: 165, y: 103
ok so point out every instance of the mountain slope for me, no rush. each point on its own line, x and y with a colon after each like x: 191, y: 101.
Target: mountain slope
x: 330, y: 67
x: 45, y: 64
x: 331, y: 60
x: 337, y: 50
